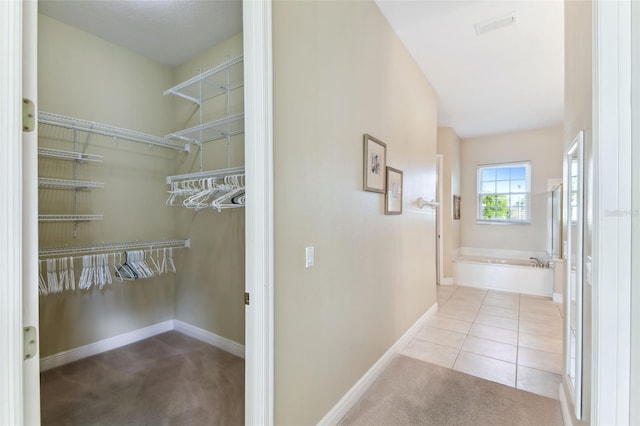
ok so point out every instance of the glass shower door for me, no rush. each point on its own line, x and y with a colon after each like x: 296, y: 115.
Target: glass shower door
x: 574, y: 220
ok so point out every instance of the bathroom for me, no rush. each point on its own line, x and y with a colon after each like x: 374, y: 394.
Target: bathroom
x: 519, y: 255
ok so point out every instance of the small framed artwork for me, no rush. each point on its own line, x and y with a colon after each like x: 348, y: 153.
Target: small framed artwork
x: 394, y: 191
x: 456, y: 207
x: 375, y: 161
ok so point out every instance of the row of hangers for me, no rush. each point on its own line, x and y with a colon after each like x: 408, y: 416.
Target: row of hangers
x: 220, y: 192
x: 96, y: 269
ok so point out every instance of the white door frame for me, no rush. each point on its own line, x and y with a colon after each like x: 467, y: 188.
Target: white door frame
x: 19, y: 401
x: 635, y: 238
x: 612, y: 212
x: 258, y: 212
x: 30, y: 212
x: 11, y: 321
x: 439, y: 220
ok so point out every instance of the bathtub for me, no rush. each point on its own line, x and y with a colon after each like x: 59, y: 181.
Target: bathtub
x: 513, y: 275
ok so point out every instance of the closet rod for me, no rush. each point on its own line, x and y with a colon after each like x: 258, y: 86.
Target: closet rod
x: 206, y: 174
x: 112, y: 247
x: 108, y: 130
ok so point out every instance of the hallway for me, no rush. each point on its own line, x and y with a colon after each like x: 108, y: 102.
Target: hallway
x: 508, y: 338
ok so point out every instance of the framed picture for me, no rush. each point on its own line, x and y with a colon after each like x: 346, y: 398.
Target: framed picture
x: 394, y: 191
x: 375, y: 161
x: 456, y: 207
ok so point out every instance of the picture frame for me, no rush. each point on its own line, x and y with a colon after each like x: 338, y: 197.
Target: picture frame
x: 456, y: 207
x: 393, y: 195
x: 375, y: 163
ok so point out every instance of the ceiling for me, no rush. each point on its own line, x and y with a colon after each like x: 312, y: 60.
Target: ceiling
x: 506, y: 80
x: 168, y: 31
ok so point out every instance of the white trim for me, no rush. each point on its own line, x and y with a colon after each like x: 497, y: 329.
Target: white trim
x: 75, y: 354
x: 612, y: 52
x: 11, y: 322
x: 212, y: 339
x: 575, y: 278
x: 259, y: 275
x: 440, y: 217
x: 564, y: 406
x: 634, y: 417
x: 360, y: 387
x: 557, y: 298
x: 30, y: 297
x: 105, y: 345
x: 446, y: 281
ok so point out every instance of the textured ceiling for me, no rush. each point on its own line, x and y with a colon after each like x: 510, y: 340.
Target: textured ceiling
x: 167, y: 31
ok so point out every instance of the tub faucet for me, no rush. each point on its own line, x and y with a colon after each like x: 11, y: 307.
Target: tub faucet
x: 539, y: 263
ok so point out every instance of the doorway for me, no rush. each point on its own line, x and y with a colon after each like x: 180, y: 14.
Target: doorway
x: 257, y: 47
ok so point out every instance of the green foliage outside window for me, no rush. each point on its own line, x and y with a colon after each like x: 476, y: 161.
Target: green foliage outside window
x: 495, y: 207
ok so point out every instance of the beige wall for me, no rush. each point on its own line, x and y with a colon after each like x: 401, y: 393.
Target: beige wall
x: 449, y: 148
x: 578, y: 116
x: 83, y: 76
x: 543, y: 147
x: 339, y: 72
x: 210, y: 286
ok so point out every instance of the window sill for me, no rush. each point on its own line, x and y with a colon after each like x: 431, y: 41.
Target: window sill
x: 502, y: 223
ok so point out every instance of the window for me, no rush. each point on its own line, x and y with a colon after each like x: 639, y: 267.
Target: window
x: 503, y: 193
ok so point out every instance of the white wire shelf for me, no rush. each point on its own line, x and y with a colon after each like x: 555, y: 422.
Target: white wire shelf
x: 68, y: 155
x: 68, y: 184
x: 214, y: 82
x: 108, y: 130
x: 227, y: 126
x: 69, y: 217
x: 112, y: 247
x: 205, y: 174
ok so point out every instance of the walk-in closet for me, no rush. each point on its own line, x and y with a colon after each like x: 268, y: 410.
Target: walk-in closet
x: 141, y: 219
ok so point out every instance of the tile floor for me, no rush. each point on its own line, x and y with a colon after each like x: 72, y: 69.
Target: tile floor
x: 513, y: 339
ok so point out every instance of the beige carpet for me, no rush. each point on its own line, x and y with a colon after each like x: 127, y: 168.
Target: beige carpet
x: 168, y: 379
x: 413, y: 392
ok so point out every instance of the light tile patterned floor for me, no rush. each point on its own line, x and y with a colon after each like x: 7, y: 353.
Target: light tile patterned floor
x: 509, y: 338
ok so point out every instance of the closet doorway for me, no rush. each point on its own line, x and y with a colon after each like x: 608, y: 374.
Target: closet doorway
x: 127, y: 178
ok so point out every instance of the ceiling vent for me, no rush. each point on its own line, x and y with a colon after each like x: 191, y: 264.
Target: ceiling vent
x: 495, y: 23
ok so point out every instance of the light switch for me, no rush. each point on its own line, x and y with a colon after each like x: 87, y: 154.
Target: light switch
x: 309, y: 261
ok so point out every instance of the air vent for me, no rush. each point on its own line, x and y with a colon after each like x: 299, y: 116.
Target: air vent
x: 495, y: 23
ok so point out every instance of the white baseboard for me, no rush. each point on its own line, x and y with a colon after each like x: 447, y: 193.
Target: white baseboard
x: 446, y: 281
x: 213, y: 339
x: 564, y: 407
x: 360, y: 387
x: 557, y: 298
x: 66, y: 357
x: 105, y: 345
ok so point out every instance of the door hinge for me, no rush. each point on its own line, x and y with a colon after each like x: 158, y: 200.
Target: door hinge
x: 28, y: 115
x: 30, y: 342
x: 246, y: 298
